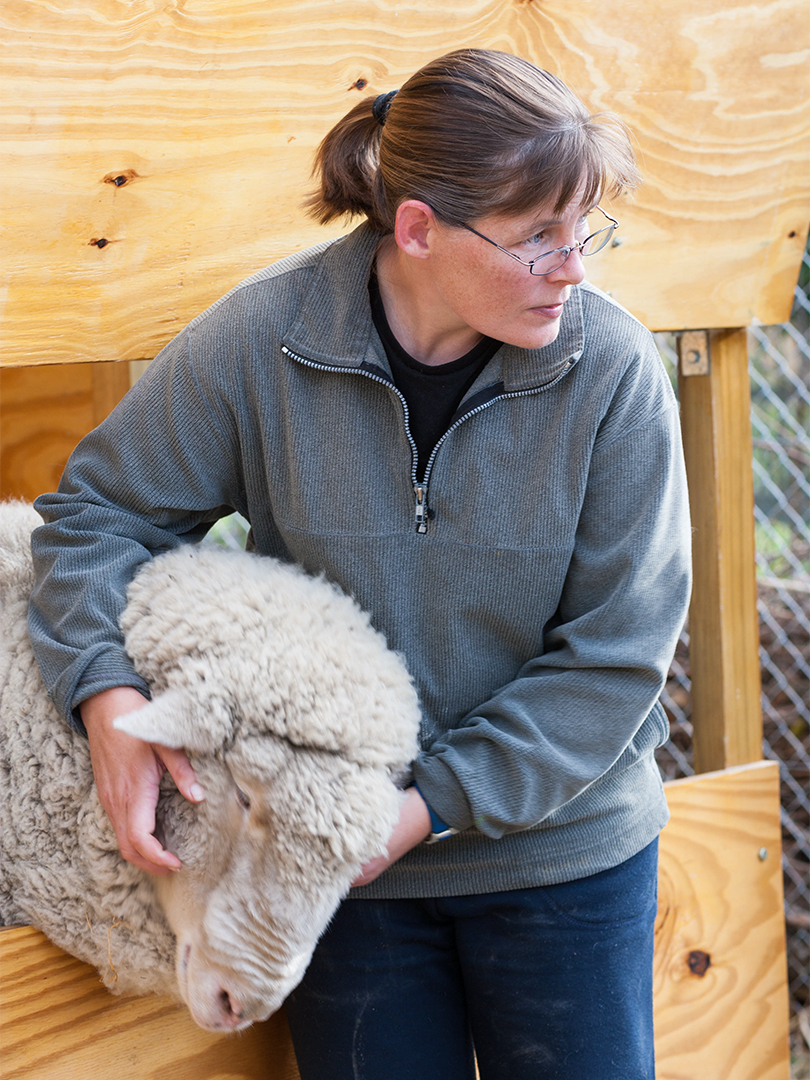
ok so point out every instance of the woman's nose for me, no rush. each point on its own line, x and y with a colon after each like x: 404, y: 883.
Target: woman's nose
x: 572, y: 272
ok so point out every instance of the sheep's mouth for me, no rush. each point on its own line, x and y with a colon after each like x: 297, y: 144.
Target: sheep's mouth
x: 182, y: 970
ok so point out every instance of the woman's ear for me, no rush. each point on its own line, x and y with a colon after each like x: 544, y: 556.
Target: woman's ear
x: 413, y: 225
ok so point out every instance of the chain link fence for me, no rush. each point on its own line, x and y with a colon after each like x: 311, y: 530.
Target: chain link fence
x: 779, y: 379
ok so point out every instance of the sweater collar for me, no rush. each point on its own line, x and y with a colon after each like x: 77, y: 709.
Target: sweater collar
x: 334, y: 324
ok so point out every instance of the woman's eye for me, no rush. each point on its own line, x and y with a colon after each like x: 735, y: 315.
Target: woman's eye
x: 535, y: 240
x: 243, y: 799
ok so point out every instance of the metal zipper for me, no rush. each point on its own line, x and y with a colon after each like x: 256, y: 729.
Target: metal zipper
x: 420, y: 490
x: 486, y: 405
x: 421, y: 511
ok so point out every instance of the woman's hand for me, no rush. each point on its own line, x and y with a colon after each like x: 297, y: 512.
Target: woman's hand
x: 128, y: 772
x: 411, y: 829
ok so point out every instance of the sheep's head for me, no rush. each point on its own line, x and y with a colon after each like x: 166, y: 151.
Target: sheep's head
x: 266, y: 859
x: 298, y: 779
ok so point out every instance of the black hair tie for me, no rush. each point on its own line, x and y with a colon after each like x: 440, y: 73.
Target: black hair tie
x: 381, y: 106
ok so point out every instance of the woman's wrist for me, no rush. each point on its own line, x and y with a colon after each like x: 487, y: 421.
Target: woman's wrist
x: 109, y: 704
x: 440, y: 830
x: 413, y: 826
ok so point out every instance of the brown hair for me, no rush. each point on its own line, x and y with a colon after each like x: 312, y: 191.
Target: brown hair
x: 472, y: 133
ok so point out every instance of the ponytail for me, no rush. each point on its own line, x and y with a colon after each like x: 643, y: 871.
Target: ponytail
x: 347, y: 166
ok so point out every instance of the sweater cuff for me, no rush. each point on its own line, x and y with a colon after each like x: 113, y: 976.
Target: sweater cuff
x: 437, y: 824
x: 109, y: 667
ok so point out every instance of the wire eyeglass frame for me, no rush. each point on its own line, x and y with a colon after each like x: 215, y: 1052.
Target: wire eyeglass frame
x: 564, y: 252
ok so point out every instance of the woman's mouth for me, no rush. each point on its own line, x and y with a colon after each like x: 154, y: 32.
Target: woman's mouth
x: 550, y: 311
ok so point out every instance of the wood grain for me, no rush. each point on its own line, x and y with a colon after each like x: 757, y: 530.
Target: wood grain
x: 57, y: 1022
x: 720, y: 983
x: 207, y: 113
x: 724, y: 643
x: 44, y: 412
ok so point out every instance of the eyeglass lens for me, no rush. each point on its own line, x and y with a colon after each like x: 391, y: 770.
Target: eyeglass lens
x: 552, y: 260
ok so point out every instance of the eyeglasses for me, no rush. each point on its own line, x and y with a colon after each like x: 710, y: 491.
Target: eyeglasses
x: 553, y: 260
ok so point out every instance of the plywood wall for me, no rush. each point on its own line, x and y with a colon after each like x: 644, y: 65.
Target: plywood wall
x: 156, y: 151
x: 720, y: 984
x: 60, y: 1023
x: 44, y: 412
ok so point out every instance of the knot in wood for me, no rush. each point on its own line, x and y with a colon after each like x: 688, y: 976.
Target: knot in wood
x: 120, y: 177
x: 698, y: 962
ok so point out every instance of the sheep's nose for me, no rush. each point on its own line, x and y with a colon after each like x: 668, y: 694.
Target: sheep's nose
x: 231, y: 1009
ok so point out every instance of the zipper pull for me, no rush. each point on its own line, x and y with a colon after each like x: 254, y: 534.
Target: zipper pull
x: 421, y: 508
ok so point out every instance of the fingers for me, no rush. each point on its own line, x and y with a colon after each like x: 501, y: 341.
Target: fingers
x: 128, y: 773
x: 412, y: 827
x: 136, y: 841
x: 371, y: 870
x: 180, y: 769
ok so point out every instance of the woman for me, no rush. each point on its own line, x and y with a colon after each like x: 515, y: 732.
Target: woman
x: 439, y: 414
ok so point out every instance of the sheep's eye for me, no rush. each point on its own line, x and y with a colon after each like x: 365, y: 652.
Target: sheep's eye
x: 244, y: 801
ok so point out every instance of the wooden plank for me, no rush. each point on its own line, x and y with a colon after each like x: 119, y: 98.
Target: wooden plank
x: 720, y: 981
x: 194, y: 169
x: 44, y: 412
x: 724, y: 657
x: 58, y: 1022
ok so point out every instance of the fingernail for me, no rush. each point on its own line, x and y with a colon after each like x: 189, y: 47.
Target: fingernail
x: 197, y: 793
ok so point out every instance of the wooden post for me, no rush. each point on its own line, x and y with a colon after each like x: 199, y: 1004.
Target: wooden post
x: 724, y: 642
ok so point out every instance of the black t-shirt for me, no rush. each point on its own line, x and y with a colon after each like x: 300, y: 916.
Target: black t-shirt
x: 433, y: 393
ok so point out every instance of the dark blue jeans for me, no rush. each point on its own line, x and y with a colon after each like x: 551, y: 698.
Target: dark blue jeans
x: 547, y: 984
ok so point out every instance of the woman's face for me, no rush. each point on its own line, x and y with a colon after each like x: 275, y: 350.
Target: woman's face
x: 493, y: 294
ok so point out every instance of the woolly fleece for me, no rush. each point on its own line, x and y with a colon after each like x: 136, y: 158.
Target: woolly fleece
x: 251, y: 662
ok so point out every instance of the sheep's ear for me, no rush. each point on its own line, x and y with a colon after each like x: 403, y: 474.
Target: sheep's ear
x: 174, y: 719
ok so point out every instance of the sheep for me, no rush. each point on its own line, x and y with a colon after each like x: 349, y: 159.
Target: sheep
x: 300, y: 724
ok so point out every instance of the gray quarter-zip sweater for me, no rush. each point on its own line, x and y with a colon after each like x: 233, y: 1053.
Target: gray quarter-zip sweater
x: 535, y: 578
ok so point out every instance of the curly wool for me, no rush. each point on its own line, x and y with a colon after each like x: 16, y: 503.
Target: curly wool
x: 260, y: 663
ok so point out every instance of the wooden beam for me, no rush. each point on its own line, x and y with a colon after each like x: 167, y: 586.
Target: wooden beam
x: 724, y: 643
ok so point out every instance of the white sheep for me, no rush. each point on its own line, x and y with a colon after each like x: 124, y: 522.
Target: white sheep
x: 300, y: 724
